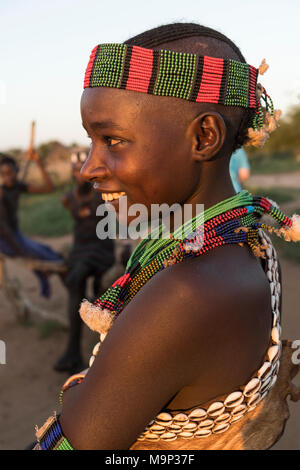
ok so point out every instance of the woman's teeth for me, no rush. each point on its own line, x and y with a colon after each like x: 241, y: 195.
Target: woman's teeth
x: 112, y: 196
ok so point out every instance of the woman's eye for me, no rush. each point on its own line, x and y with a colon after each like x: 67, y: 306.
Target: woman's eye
x: 111, y: 141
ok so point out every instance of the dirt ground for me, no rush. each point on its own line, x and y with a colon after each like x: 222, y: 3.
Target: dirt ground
x: 29, y: 388
x: 284, y: 180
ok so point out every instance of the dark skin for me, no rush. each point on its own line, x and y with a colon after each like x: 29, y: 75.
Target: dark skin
x: 9, y: 177
x: 196, y: 330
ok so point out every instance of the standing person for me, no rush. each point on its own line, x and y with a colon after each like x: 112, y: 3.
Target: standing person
x: 12, y: 240
x: 89, y: 257
x: 192, y: 333
x: 239, y: 169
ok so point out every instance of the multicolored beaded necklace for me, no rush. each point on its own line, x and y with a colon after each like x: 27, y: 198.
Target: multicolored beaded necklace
x: 234, y: 220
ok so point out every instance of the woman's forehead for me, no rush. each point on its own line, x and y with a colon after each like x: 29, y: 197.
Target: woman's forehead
x: 123, y: 109
x: 107, y: 103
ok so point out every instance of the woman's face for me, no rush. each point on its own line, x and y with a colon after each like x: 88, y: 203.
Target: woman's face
x: 138, y: 147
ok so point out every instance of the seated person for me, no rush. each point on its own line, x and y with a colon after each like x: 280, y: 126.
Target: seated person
x: 12, y: 240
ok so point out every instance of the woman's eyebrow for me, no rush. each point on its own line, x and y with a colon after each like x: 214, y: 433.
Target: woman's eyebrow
x: 105, y: 125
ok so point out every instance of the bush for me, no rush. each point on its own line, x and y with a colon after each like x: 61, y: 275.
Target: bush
x: 44, y: 215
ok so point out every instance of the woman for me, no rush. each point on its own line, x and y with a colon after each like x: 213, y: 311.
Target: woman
x: 187, y: 325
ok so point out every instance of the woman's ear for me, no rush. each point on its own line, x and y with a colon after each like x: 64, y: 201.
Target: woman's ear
x: 208, y: 132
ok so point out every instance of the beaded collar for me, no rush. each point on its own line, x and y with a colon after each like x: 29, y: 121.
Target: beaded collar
x: 235, y: 220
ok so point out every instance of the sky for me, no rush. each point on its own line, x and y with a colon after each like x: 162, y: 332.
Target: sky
x: 45, y: 46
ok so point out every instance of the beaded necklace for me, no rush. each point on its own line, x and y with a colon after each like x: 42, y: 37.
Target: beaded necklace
x: 234, y: 220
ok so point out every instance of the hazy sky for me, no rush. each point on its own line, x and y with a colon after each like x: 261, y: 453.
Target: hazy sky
x: 45, y: 46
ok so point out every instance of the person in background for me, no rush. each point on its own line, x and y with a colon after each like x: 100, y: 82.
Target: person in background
x: 12, y: 241
x: 239, y: 169
x: 89, y: 257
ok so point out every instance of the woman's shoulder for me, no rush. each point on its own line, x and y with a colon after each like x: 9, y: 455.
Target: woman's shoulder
x: 218, y: 311
x: 229, y: 274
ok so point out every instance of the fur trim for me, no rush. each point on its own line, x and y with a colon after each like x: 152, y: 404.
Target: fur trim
x: 257, y: 137
x: 263, y: 67
x: 258, y: 252
x: 274, y: 204
x: 95, y: 318
x: 292, y: 233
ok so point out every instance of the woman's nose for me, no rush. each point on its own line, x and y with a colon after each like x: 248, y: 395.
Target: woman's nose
x: 94, y: 170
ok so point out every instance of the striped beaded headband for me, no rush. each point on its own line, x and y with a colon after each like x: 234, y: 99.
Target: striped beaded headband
x: 192, y: 77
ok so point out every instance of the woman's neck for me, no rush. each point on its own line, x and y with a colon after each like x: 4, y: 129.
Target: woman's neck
x: 214, y: 185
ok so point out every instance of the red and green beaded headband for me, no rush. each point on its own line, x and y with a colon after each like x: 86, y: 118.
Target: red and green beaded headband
x: 201, y: 79
x: 191, y: 77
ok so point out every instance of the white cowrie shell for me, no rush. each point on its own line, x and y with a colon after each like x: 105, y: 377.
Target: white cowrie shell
x: 96, y: 349
x: 254, y: 400
x: 180, y: 418
x: 252, y: 387
x: 186, y: 435
x: 190, y: 427
x: 273, y: 381
x: 273, y: 352
x: 265, y: 385
x: 270, y: 264
x: 157, y: 429
x: 265, y: 370
x: 216, y: 409
x: 219, y: 428
x: 239, y: 410
x: 203, y: 433
x: 163, y: 418
x: 207, y: 424
x: 91, y: 361
x: 175, y: 428
x: 269, y: 252
x: 275, y: 335
x: 233, y: 399
x: 273, y: 302
x: 102, y: 336
x: 198, y: 414
x: 168, y: 436
x: 222, y: 418
x: 151, y: 436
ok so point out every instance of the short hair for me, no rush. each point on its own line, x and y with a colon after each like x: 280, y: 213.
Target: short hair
x: 8, y: 160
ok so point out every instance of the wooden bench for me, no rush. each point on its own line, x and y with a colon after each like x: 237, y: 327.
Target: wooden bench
x: 22, y: 307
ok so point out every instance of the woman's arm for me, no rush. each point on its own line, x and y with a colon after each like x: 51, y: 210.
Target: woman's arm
x: 143, y: 362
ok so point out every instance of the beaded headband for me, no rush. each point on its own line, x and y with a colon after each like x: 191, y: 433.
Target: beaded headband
x: 191, y: 77
x: 201, y: 79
